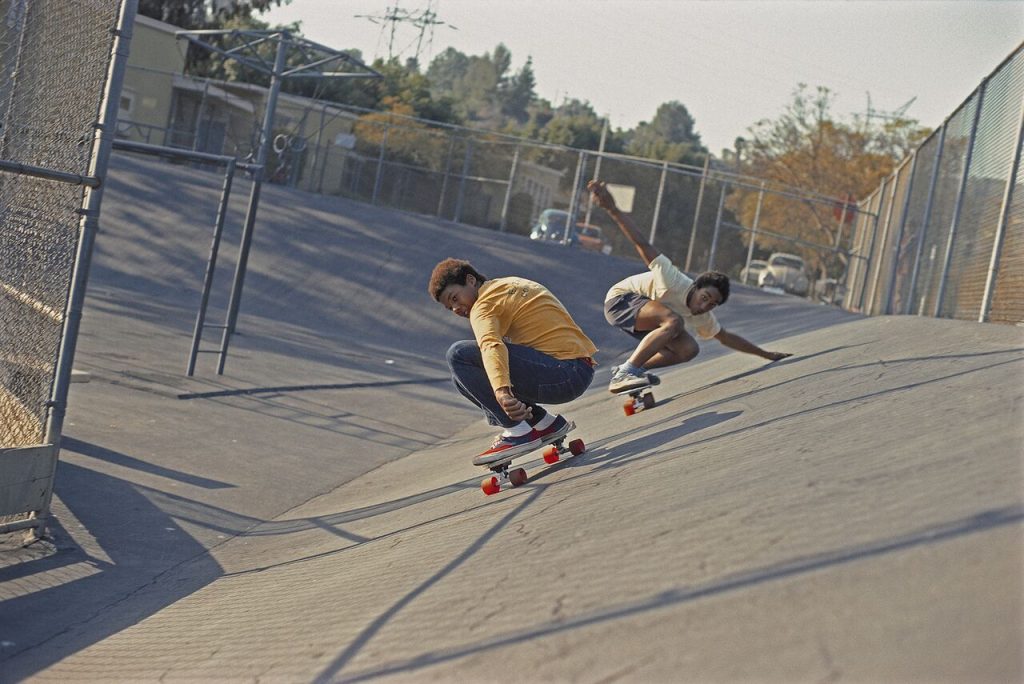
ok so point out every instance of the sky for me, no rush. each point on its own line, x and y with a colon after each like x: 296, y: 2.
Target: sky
x: 731, y: 63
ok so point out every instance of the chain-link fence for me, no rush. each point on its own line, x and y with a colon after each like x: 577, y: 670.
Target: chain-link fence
x: 948, y: 239
x: 54, y: 61
x: 702, y: 217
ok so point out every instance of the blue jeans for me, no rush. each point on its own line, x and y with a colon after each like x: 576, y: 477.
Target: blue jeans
x: 536, y: 378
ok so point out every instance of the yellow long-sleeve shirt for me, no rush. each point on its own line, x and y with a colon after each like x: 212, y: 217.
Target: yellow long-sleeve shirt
x: 523, y: 312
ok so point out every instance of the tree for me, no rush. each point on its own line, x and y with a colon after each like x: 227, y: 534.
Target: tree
x: 481, y: 87
x: 671, y: 136
x: 516, y: 93
x: 202, y: 14
x: 808, y: 148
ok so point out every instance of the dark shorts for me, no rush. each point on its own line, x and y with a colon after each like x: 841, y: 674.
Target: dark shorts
x: 621, y: 311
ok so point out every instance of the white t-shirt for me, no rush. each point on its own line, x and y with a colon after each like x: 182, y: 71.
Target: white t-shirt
x: 668, y: 285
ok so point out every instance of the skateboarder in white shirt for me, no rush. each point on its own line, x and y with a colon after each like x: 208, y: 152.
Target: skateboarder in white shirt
x: 660, y: 306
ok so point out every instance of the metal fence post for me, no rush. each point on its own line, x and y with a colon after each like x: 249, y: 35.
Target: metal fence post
x: 959, y: 201
x: 718, y: 224
x: 887, y: 309
x: 379, y: 178
x: 569, y: 223
x: 885, y: 236
x: 199, y: 118
x: 997, y: 244
x: 870, y: 251
x: 696, y: 213
x: 102, y: 144
x: 597, y: 166
x: 926, y: 219
x: 314, y: 163
x: 508, y: 190
x: 657, y: 202
x: 462, y: 182
x: 753, y: 233
x: 447, y: 172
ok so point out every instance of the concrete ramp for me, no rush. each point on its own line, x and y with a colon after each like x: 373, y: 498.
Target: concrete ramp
x: 851, y: 513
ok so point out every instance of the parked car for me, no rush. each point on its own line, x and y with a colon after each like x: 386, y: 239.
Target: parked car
x: 749, y: 274
x: 787, y: 272
x: 551, y: 224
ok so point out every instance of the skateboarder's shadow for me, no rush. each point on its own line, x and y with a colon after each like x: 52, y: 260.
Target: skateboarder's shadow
x: 626, y: 448
x: 616, y: 451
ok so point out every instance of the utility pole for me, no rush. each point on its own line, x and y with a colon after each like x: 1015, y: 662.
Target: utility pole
x: 597, y: 167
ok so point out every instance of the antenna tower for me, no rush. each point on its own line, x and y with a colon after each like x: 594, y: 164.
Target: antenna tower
x: 423, y: 20
x: 898, y: 113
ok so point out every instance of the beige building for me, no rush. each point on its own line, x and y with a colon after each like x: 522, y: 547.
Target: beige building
x: 161, y: 105
x: 156, y: 59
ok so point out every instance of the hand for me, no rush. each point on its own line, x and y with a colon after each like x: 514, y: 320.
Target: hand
x: 513, y: 408
x: 776, y: 356
x: 602, y: 197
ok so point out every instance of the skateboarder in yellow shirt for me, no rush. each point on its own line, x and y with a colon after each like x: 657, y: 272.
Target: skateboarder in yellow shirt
x: 527, y: 350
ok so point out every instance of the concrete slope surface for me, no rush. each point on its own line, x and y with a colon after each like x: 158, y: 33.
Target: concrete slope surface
x: 851, y: 513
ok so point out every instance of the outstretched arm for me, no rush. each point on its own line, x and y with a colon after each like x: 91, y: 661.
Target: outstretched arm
x: 604, y: 199
x: 734, y: 341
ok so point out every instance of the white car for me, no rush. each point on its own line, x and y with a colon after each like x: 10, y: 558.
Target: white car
x: 787, y: 272
x: 749, y: 274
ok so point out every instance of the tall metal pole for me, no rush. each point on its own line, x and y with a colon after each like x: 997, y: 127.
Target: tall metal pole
x: 199, y: 117
x: 953, y: 224
x: 898, y: 242
x: 447, y: 172
x: 718, y: 224
x: 462, y: 182
x: 569, y: 222
x: 997, y: 245
x: 696, y: 213
x: 379, y: 177
x: 885, y: 237
x: 657, y: 203
x: 926, y: 219
x: 597, y: 167
x: 753, y: 233
x: 316, y: 150
x: 508, y: 190
x: 257, y: 182
x: 868, y: 258
x: 102, y: 144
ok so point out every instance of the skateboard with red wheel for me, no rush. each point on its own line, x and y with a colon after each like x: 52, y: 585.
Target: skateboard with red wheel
x: 503, y: 474
x: 640, y: 398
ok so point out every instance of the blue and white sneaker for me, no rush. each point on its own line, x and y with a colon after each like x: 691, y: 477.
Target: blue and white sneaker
x: 506, y: 446
x: 623, y: 381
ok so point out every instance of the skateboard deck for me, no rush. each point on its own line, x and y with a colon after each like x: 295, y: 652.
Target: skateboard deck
x: 554, y: 449
x: 640, y: 398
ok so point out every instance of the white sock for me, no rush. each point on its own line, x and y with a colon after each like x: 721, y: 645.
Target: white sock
x: 632, y: 370
x: 517, y: 430
x: 544, y: 422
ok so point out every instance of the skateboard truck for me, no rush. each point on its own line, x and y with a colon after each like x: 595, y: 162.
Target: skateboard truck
x: 638, y: 400
x: 492, y: 484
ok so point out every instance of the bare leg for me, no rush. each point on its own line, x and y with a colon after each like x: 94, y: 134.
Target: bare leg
x: 680, y: 350
x: 667, y: 344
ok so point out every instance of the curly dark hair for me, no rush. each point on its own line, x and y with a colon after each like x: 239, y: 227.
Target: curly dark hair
x: 451, y: 271
x: 714, y: 279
